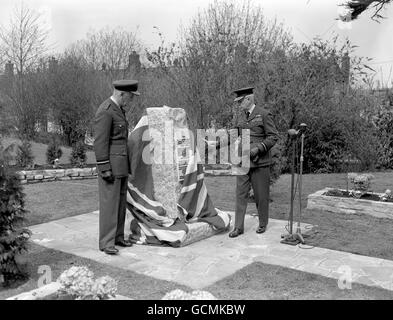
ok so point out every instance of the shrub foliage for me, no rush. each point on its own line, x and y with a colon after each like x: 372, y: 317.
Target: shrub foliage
x: 13, y: 236
x: 78, y: 156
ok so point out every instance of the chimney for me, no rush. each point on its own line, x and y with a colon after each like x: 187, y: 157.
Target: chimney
x: 134, y: 63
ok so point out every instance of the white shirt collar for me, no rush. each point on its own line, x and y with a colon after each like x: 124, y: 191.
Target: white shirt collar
x: 251, y: 109
x: 114, y: 101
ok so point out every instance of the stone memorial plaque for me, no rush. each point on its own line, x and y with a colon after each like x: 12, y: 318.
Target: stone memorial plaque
x: 171, y: 147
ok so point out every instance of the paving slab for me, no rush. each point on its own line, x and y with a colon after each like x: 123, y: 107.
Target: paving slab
x: 202, y: 263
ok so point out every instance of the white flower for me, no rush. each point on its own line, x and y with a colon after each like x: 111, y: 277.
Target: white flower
x: 104, y: 287
x: 77, y: 281
x: 202, y: 295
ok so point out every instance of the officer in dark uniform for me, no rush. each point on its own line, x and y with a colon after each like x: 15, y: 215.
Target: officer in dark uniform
x: 110, y: 147
x: 263, y: 136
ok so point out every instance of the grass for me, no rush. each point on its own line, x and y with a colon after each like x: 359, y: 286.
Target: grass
x: 352, y: 233
x: 264, y: 281
x: 60, y: 199
x: 39, y: 151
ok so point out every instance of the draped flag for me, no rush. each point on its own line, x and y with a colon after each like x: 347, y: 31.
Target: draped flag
x: 151, y: 223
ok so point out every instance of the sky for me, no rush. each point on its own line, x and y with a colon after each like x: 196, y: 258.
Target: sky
x: 70, y: 20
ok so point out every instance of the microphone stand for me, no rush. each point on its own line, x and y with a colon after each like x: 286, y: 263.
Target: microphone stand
x: 295, y: 238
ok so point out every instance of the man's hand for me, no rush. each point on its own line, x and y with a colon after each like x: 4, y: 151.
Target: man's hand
x: 108, y: 176
x: 254, y: 154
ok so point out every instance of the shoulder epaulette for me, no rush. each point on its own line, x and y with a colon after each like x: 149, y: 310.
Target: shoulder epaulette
x: 107, y: 104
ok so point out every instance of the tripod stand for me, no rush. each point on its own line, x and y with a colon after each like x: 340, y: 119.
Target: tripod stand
x: 294, y: 238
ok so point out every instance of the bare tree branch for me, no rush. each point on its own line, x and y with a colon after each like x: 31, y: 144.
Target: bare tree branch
x: 24, y: 41
x: 359, y: 6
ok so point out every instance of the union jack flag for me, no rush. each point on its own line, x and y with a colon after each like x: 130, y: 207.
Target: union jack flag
x: 151, y: 223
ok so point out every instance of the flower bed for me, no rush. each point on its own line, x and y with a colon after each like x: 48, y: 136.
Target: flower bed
x: 363, y: 195
x: 350, y: 205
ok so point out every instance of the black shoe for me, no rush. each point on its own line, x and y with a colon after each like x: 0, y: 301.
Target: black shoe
x: 236, y: 232
x: 261, y: 229
x: 124, y: 243
x: 110, y: 250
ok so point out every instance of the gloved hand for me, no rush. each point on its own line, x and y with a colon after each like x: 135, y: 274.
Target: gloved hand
x: 108, y: 176
x: 254, y: 154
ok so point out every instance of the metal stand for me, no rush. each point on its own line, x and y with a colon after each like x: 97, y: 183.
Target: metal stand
x: 295, y: 238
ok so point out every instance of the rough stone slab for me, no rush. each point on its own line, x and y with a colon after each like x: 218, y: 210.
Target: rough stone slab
x: 21, y: 175
x: 54, y: 173
x: 35, y: 181
x: 38, y: 177
x: 379, y: 209
x: 197, y: 232
x: 64, y: 178
x: 90, y: 177
x: 23, y: 181
x: 34, y: 172
x: 202, y: 263
x: 48, y: 290
x: 218, y: 173
x: 164, y: 123
x: 39, y: 293
x: 74, y: 172
x: 85, y: 172
x: 30, y: 177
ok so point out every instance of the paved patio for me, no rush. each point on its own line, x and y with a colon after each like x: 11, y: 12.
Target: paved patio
x: 202, y: 263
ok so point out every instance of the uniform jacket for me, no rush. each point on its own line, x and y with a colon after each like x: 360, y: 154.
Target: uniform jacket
x: 263, y: 134
x: 110, y: 139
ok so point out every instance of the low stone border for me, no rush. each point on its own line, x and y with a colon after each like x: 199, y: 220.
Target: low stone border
x: 36, y: 176
x: 48, y: 290
x: 379, y: 209
x: 39, y: 293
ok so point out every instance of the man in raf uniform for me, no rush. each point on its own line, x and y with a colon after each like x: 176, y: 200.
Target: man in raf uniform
x: 263, y: 136
x: 110, y: 147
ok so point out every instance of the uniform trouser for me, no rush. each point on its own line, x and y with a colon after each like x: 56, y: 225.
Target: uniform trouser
x: 113, y: 201
x: 259, y: 180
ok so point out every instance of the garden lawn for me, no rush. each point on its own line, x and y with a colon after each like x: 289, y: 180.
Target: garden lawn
x: 59, y: 199
x: 353, y: 233
x: 358, y: 234
x: 255, y: 281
